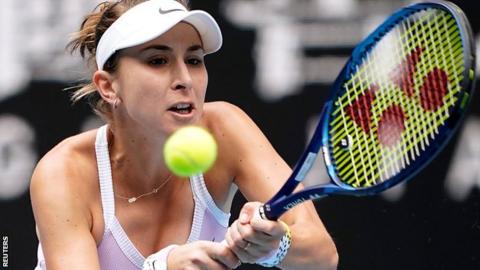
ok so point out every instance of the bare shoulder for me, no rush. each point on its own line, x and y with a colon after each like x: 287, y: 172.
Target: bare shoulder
x: 226, y: 120
x: 233, y: 129
x: 68, y: 158
x: 244, y: 151
x: 63, y: 177
x: 221, y: 110
x: 230, y: 126
x: 62, y: 192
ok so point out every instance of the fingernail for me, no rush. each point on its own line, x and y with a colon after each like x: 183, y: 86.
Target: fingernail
x: 238, y: 265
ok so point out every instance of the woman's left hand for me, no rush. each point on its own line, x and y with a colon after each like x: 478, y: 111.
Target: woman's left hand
x: 250, y: 237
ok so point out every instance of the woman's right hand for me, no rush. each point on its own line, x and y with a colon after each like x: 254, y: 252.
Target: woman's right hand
x: 202, y: 255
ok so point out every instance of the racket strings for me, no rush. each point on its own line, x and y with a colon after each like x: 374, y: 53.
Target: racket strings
x: 393, y: 108
x: 424, y: 141
x: 396, y: 165
x: 429, y: 131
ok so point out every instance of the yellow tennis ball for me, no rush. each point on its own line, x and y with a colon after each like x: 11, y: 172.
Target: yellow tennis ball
x: 190, y: 150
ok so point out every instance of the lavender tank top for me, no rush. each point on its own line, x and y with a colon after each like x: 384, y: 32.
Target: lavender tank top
x: 116, y: 251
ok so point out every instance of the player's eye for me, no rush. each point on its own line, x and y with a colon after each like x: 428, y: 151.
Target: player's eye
x: 157, y: 61
x: 194, y: 61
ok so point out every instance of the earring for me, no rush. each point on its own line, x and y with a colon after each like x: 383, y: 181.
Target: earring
x: 115, y: 103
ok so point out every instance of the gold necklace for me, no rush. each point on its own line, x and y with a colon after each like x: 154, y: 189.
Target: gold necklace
x: 155, y: 190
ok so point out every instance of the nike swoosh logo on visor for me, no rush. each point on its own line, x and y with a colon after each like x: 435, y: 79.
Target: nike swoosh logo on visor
x: 168, y: 11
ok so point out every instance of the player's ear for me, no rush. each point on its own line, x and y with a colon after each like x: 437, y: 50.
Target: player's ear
x: 104, y: 83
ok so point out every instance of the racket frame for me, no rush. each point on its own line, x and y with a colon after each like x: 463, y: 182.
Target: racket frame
x: 285, y: 199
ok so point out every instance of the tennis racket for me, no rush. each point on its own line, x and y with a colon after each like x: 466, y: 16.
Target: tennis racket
x: 394, y: 106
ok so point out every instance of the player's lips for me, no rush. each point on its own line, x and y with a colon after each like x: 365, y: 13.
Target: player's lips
x: 182, y: 108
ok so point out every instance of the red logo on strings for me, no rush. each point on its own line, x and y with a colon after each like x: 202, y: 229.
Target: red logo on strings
x: 392, y: 119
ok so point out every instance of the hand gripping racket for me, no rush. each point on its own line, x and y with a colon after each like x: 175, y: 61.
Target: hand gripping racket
x: 394, y: 106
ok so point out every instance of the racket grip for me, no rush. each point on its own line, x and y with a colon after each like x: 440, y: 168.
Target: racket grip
x: 264, y: 213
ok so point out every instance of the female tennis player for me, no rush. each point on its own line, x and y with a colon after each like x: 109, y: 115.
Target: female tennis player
x: 104, y: 199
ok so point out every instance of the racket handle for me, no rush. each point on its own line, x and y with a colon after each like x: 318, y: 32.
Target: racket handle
x: 265, y: 214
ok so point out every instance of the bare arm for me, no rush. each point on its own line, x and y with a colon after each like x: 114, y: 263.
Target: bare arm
x: 259, y: 173
x: 62, y: 217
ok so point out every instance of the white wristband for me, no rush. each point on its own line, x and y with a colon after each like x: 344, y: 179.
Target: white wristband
x: 158, y: 261
x: 277, y: 257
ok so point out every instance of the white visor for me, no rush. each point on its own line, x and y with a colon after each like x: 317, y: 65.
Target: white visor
x: 149, y: 20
